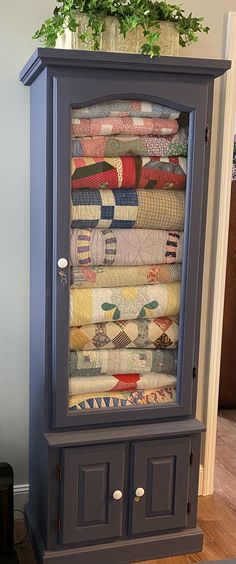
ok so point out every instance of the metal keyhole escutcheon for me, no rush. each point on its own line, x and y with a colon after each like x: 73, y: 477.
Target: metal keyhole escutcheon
x: 63, y: 278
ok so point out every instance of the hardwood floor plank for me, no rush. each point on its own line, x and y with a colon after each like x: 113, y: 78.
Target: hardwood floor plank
x: 225, y: 470
x: 228, y: 414
x: 24, y: 551
x: 225, y: 484
x: 25, y: 554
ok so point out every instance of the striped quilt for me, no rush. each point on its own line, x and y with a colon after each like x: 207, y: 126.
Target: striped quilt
x: 128, y: 172
x: 122, y: 209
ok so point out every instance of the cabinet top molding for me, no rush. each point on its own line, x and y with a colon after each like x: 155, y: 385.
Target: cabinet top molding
x: 43, y: 58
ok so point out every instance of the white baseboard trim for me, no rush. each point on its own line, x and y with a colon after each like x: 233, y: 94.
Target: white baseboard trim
x: 21, y: 495
x: 200, y: 481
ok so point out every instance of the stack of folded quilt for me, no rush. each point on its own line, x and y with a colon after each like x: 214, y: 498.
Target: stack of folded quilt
x: 128, y: 177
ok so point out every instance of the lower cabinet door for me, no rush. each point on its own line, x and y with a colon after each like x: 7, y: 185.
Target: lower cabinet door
x: 160, y: 485
x: 92, y: 475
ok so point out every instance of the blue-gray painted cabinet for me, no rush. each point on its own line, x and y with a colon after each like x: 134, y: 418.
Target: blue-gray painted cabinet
x: 110, y: 485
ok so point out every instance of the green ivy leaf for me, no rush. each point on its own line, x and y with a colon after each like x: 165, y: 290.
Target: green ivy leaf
x: 107, y: 307
x: 116, y: 314
x: 152, y: 305
x: 72, y: 25
x: 142, y: 313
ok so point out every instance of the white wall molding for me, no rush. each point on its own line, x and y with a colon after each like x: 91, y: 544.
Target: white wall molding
x: 200, y: 480
x: 21, y: 496
x: 226, y: 136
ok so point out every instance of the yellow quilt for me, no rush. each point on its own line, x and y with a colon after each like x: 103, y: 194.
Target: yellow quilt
x: 94, y: 305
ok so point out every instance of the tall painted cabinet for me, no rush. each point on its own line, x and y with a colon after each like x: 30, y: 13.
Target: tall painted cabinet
x: 119, y: 173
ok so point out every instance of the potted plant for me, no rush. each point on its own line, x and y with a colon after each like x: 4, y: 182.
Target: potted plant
x: 121, y: 25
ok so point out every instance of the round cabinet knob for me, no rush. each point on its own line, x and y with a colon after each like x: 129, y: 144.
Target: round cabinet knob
x: 139, y: 492
x: 117, y: 495
x: 62, y: 262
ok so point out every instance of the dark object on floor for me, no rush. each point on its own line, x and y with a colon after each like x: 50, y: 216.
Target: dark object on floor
x: 6, y: 514
x: 9, y: 559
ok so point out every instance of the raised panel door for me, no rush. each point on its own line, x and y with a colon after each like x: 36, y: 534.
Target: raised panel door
x: 160, y: 485
x: 91, y: 476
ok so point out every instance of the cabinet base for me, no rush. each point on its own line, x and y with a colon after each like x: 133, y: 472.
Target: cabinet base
x: 121, y: 551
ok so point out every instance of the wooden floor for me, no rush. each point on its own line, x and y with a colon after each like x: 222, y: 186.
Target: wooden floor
x: 217, y: 513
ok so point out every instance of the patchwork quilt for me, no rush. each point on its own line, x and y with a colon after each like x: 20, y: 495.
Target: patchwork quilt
x: 143, y: 146
x: 128, y: 172
x: 122, y: 108
x: 94, y: 305
x: 126, y: 209
x: 123, y: 126
x: 117, y: 382
x: 159, y: 333
x: 122, y: 399
x: 92, y: 363
x: 107, y: 276
x: 125, y: 247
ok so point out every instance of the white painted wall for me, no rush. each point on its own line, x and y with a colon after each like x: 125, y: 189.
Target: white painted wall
x: 19, y: 19
x: 18, y: 22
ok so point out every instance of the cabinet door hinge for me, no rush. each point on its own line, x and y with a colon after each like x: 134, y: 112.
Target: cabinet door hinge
x: 207, y: 134
x: 189, y: 507
x: 59, y: 472
x: 194, y: 371
x: 58, y: 523
x: 191, y: 458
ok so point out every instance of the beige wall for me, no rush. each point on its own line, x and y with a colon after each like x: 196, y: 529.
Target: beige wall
x: 215, y: 17
x: 18, y: 21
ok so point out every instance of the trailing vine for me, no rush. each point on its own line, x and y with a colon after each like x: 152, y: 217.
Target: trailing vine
x: 130, y: 14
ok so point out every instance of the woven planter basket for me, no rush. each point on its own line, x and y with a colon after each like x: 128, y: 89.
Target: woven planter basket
x: 112, y: 41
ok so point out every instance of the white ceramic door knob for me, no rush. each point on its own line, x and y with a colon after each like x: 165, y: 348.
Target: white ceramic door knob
x: 139, y: 492
x: 62, y: 262
x: 117, y: 495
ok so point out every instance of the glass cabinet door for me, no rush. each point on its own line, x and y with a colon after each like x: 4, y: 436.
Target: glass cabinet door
x: 126, y: 293
x: 128, y: 179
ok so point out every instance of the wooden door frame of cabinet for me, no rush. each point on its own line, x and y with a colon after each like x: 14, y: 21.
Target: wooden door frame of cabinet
x: 220, y: 236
